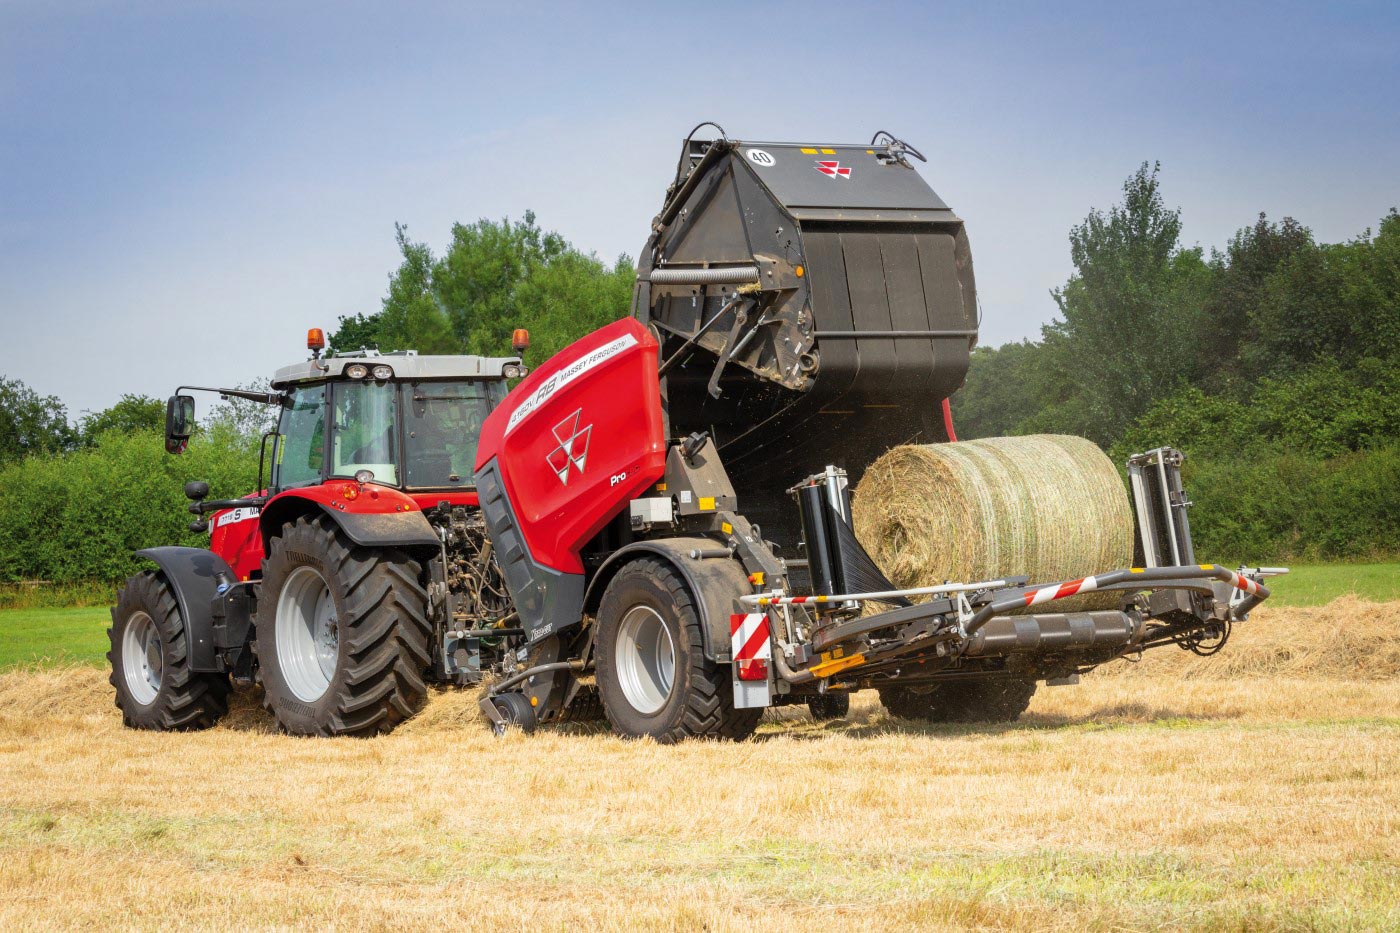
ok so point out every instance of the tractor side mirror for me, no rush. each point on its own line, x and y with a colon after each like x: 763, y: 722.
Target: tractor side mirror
x: 179, y: 423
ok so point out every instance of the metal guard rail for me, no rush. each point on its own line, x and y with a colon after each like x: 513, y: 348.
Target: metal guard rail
x: 1255, y: 592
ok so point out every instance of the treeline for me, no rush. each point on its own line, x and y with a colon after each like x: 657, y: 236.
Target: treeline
x: 1274, y: 364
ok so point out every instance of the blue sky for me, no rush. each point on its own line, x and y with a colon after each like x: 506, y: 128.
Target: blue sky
x: 186, y: 187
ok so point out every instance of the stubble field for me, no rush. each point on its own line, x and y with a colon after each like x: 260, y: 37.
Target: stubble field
x: 1258, y: 790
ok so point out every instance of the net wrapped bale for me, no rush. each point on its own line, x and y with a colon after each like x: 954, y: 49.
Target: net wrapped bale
x: 1048, y: 506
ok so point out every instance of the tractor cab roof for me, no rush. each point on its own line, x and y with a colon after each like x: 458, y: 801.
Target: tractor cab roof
x: 407, y: 365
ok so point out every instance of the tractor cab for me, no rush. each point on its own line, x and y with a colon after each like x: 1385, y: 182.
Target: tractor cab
x: 399, y: 419
x: 396, y: 419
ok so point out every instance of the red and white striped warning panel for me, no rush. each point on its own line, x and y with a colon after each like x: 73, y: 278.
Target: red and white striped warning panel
x: 751, y: 647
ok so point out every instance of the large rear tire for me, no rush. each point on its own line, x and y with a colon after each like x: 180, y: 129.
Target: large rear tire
x: 342, y: 633
x: 151, y: 663
x: 653, y: 676
x: 961, y: 701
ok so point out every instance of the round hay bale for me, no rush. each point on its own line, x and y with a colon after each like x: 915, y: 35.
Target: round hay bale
x: 1048, y: 506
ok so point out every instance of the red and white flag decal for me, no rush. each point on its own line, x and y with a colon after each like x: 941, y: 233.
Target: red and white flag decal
x: 833, y: 169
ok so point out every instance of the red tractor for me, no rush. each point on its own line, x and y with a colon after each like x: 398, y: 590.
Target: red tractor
x: 799, y: 310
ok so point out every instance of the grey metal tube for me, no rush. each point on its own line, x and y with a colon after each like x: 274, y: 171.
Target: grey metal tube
x: 503, y: 686
x: 780, y: 666
x: 728, y: 275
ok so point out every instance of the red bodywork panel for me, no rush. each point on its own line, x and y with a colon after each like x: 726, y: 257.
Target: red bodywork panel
x: 236, y: 535
x: 578, y: 439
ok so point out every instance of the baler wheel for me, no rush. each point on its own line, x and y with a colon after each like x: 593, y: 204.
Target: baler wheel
x: 518, y: 713
x: 961, y: 701
x: 342, y: 633
x: 652, y: 672
x: 150, y: 662
x: 827, y: 706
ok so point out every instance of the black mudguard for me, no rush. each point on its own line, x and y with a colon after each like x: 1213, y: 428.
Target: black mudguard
x: 716, y: 584
x: 402, y: 529
x: 194, y: 574
x: 391, y: 529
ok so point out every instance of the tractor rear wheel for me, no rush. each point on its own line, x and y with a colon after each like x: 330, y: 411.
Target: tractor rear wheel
x: 151, y: 664
x: 961, y: 701
x: 342, y: 633
x: 653, y: 676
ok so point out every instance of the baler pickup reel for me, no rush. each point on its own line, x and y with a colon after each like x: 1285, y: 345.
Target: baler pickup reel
x: 831, y: 632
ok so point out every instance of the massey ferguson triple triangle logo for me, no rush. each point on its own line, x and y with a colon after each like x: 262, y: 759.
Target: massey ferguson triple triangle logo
x: 573, y: 446
x: 833, y: 169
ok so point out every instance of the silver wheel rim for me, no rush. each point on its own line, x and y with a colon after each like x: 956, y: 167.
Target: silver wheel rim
x: 143, y: 658
x: 307, y: 643
x: 646, y: 659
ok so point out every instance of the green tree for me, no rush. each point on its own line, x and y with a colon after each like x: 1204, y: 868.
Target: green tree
x: 495, y: 276
x: 31, y: 423
x: 1130, y: 313
x: 1008, y: 389
x: 132, y: 413
x: 1241, y: 288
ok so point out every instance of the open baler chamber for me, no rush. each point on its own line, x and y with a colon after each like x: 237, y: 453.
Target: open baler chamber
x: 815, y: 305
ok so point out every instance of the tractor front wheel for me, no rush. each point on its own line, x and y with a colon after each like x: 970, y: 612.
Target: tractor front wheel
x: 653, y: 676
x: 342, y: 633
x: 151, y: 662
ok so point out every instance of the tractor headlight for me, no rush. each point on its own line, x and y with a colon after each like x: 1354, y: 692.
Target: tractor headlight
x: 364, y: 476
x: 383, y: 372
x: 357, y: 370
x: 513, y: 370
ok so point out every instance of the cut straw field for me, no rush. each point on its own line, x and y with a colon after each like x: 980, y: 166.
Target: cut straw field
x: 1257, y: 791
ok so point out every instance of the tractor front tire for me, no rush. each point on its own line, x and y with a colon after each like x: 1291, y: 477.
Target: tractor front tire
x: 653, y: 676
x: 342, y: 633
x: 961, y: 701
x: 151, y: 662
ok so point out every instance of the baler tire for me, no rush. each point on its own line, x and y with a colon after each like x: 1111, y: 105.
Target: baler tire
x: 700, y: 702
x: 517, y: 714
x: 181, y: 700
x: 984, y: 701
x: 828, y: 706
x: 1001, y: 701
x: 381, y: 629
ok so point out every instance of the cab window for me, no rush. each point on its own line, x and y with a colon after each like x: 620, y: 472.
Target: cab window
x: 442, y: 423
x: 301, y: 446
x: 363, y: 435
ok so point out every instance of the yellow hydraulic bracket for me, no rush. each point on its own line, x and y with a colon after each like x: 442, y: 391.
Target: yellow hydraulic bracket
x: 832, y: 662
